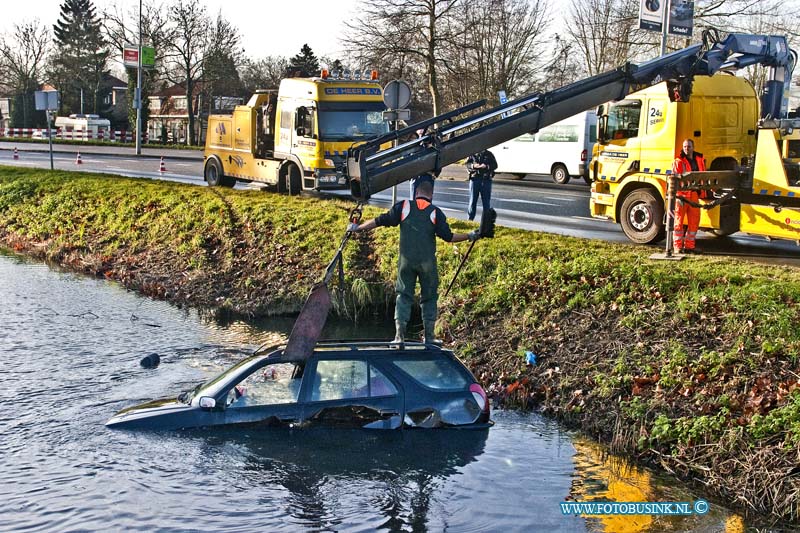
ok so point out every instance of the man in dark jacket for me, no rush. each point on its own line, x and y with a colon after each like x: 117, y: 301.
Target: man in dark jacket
x: 420, y: 223
x: 481, y: 168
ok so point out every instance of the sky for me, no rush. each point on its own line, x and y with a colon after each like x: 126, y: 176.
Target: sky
x: 267, y: 27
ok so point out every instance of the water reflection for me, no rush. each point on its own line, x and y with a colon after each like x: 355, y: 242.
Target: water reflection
x: 404, y: 468
x: 601, y: 476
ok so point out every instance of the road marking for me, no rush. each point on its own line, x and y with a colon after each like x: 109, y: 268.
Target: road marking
x: 531, y: 202
x: 562, y: 198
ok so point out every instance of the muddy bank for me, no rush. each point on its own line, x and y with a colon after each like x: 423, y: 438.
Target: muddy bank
x: 693, y: 367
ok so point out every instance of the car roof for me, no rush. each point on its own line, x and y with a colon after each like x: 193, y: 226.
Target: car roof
x: 363, y: 348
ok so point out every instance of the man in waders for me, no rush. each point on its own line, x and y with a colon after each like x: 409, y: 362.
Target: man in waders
x: 420, y: 223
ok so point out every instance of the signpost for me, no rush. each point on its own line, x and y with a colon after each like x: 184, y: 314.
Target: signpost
x: 674, y: 17
x: 47, y: 101
x: 396, y: 96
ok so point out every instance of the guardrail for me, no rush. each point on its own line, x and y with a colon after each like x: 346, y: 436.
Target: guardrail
x: 69, y: 134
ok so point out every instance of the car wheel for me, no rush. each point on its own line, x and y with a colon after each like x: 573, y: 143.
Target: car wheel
x: 213, y: 173
x: 294, y: 183
x: 518, y: 175
x: 642, y: 216
x: 560, y: 174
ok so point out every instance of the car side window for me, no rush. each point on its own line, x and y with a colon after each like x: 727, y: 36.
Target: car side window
x: 271, y: 385
x: 439, y: 373
x: 339, y: 379
x: 379, y: 385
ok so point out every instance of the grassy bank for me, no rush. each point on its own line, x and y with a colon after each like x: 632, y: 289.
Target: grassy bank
x: 692, y: 365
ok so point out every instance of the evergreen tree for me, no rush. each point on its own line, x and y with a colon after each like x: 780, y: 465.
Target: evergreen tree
x: 80, y: 57
x: 303, y: 65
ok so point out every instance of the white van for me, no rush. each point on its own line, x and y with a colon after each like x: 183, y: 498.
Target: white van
x: 84, y: 127
x: 563, y: 149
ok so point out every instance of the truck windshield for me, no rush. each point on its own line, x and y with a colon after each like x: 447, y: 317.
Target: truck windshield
x: 623, y: 120
x: 344, y: 122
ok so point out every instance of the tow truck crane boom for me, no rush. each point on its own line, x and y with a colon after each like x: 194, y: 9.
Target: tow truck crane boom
x: 455, y: 135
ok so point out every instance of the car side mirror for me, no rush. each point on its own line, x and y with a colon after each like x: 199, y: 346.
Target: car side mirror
x: 207, y: 402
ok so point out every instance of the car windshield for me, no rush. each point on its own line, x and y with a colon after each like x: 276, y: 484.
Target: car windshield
x: 188, y: 396
x: 278, y: 383
x: 340, y: 122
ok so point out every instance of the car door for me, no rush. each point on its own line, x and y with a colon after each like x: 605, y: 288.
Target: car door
x: 268, y: 396
x: 351, y: 392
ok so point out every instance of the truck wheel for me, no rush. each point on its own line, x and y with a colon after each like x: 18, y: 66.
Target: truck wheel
x: 642, y: 217
x: 560, y: 174
x: 294, y: 183
x: 519, y: 175
x: 720, y: 233
x: 213, y: 173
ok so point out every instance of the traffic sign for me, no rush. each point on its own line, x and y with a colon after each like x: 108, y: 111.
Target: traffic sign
x: 46, y: 100
x: 397, y: 94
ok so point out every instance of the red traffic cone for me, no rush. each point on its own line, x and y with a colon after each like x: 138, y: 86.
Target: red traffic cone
x: 78, y: 159
x: 16, y: 154
x: 162, y: 168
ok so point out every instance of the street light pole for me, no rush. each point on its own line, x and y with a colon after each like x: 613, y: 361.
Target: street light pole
x: 138, y: 96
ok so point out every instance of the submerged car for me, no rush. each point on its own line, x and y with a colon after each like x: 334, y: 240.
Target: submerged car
x: 342, y: 384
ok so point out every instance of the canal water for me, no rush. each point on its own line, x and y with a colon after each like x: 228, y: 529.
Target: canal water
x: 71, y: 347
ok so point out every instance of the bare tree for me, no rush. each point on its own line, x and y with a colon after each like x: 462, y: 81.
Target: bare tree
x: 187, y: 51
x: 500, y: 47
x: 414, y: 31
x: 563, y: 66
x: 265, y: 73
x: 23, y: 59
x: 122, y: 28
x: 604, y: 33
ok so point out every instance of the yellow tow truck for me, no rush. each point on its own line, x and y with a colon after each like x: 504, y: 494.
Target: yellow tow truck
x: 752, y: 165
x: 295, y: 138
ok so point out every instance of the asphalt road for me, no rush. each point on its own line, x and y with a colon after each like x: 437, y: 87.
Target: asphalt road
x: 535, y: 203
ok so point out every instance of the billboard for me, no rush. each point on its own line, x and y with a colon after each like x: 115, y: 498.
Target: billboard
x: 651, y: 14
x: 681, y: 18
